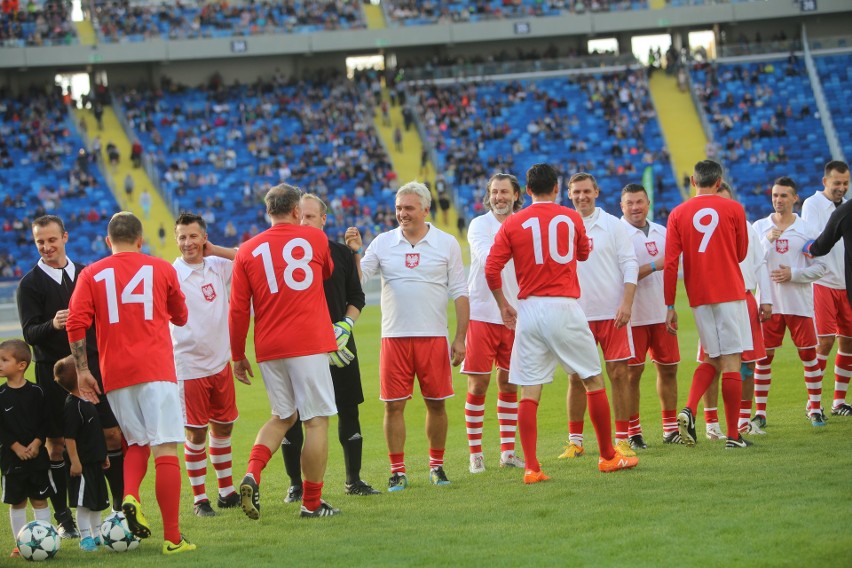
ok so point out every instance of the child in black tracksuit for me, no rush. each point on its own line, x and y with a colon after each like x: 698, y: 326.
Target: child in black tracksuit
x: 87, y: 452
x: 23, y: 427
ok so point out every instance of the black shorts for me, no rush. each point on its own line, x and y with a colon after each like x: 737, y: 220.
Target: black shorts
x: 347, y: 381
x: 20, y: 486
x: 89, y: 489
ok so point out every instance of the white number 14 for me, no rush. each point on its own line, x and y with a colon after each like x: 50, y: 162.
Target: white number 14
x: 144, y: 276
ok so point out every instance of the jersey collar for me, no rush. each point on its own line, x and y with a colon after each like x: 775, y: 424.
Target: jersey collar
x: 56, y: 273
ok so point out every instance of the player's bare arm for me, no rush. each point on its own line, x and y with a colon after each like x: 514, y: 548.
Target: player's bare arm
x: 507, y: 312
x: 671, y: 321
x: 59, y: 319
x: 625, y: 310
x: 76, y: 469
x: 354, y: 242
x: 243, y: 370
x: 222, y: 252
x: 86, y: 382
x: 647, y: 270
x: 462, y: 320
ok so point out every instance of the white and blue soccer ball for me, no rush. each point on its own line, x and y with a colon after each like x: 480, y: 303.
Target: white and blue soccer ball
x: 116, y: 534
x: 38, y: 541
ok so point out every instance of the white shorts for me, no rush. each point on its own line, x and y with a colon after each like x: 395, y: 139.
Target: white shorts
x: 299, y: 383
x: 723, y: 328
x: 551, y: 331
x: 149, y: 414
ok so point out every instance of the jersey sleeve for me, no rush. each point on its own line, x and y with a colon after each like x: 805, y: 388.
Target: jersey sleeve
x: 832, y: 232
x: 500, y: 254
x: 327, y: 262
x: 742, y: 234
x: 479, y: 241
x: 582, y: 240
x: 36, y: 325
x: 81, y: 308
x: 239, y: 309
x: 354, y: 292
x: 370, y: 261
x: 627, y: 261
x: 674, y: 247
x: 456, y: 280
x: 178, y: 312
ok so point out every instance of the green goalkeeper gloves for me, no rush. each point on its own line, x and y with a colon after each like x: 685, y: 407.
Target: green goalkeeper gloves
x: 342, y: 333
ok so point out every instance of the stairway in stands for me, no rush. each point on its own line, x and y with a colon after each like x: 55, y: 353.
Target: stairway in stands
x: 680, y: 123
x: 160, y: 214
x: 374, y: 15
x: 86, y: 32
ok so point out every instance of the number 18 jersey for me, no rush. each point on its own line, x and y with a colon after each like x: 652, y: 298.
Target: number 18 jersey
x: 711, y: 232
x: 545, y: 240
x: 131, y: 297
x: 280, y: 273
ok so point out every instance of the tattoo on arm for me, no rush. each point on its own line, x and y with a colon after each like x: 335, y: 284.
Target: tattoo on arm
x: 78, y: 350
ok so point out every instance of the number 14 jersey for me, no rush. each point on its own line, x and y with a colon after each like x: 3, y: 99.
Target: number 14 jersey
x: 711, y: 232
x: 280, y: 273
x: 131, y: 297
x: 545, y: 240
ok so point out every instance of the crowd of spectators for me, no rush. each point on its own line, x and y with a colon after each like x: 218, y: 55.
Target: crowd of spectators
x: 604, y: 124
x: 46, y: 168
x: 221, y: 145
x: 123, y: 20
x: 418, y: 12
x: 36, y: 24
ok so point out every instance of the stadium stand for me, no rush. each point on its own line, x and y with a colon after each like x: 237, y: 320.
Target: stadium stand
x: 134, y: 21
x: 47, y: 169
x: 603, y: 123
x: 835, y: 76
x: 421, y: 12
x: 219, y: 149
x: 764, y: 125
x: 36, y: 24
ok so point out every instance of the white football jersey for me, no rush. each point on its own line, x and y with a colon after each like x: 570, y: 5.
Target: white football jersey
x: 483, y: 306
x: 648, y: 304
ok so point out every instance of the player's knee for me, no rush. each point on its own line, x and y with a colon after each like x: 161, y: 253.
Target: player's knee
x: 112, y: 437
x: 221, y: 430
x: 436, y: 407
x: 196, y: 435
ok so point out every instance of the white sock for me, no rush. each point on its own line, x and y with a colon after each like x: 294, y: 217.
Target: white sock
x: 18, y: 518
x: 42, y: 514
x: 83, y: 524
x: 95, y: 523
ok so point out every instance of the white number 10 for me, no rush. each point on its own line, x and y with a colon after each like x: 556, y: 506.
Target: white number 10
x: 144, y: 276
x: 534, y: 224
x: 707, y: 229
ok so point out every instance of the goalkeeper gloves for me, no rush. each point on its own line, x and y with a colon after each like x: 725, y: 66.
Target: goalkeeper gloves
x: 343, y: 331
x: 807, y: 248
x: 341, y: 358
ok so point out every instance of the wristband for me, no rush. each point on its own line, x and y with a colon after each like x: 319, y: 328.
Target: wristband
x: 359, y: 251
x: 653, y: 266
x: 670, y: 307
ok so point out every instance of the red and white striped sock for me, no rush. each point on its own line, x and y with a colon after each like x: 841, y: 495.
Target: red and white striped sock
x: 669, y: 421
x: 195, y: 458
x: 634, y: 428
x: 474, y: 415
x: 762, y: 382
x: 823, y: 362
x: 711, y: 416
x: 397, y: 462
x: 842, y: 373
x: 575, y: 432
x: 220, y: 457
x: 813, y: 378
x: 621, y: 427
x: 507, y: 416
x: 745, y: 414
x: 436, y: 458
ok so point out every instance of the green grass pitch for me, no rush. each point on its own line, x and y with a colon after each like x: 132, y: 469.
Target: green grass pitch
x: 783, y: 502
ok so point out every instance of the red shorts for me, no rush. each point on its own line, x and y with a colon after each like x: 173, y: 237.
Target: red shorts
x: 401, y: 358
x: 486, y: 345
x: 616, y: 343
x: 654, y: 337
x: 833, y: 314
x: 209, y: 399
x: 802, y: 330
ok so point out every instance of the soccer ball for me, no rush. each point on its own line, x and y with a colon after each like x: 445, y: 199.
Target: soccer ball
x: 116, y: 535
x: 38, y: 541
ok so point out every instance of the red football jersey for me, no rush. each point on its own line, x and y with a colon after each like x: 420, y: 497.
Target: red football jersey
x: 545, y: 240
x: 711, y: 233
x: 280, y: 273
x: 131, y: 297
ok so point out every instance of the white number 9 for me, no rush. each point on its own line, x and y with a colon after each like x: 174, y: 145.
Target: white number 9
x: 707, y: 229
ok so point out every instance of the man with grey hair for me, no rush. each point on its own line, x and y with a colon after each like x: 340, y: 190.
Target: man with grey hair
x: 280, y: 273
x: 420, y: 267
x: 711, y: 233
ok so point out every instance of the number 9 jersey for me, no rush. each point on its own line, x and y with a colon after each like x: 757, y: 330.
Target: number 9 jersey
x: 280, y: 273
x: 131, y: 297
x: 711, y: 233
x: 545, y: 240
